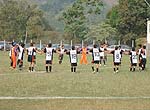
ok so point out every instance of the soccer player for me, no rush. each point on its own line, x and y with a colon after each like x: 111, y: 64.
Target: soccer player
x: 31, y: 52
x: 49, y: 57
x: 116, y: 58
x: 95, y: 58
x: 102, y: 55
x: 133, y: 59
x: 143, y: 58
x: 13, y: 55
x: 139, y: 55
x: 121, y: 52
x: 21, y: 55
x: 61, y: 52
x: 73, y: 58
x: 83, y: 59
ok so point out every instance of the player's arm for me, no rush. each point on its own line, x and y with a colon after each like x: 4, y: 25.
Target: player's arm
x: 90, y: 51
x: 43, y: 51
x: 38, y: 51
x: 68, y: 52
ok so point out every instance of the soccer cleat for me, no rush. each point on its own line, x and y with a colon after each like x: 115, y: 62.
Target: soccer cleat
x: 117, y: 71
x: 93, y: 72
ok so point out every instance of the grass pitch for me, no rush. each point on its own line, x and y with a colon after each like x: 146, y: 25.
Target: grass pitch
x: 61, y: 82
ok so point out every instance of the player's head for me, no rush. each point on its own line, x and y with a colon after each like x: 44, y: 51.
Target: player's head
x: 22, y: 45
x: 95, y: 46
x: 133, y: 49
x: 140, y: 45
x: 50, y: 45
x: 116, y: 48
x: 73, y: 47
x: 14, y: 44
x: 31, y: 44
x: 119, y: 47
x: 144, y: 46
x: 101, y: 45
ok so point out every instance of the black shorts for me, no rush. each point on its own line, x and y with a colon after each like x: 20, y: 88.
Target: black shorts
x: 73, y: 64
x: 117, y: 63
x: 95, y: 62
x: 133, y: 64
x: 30, y: 57
x: 101, y: 57
x: 61, y: 57
x: 48, y: 62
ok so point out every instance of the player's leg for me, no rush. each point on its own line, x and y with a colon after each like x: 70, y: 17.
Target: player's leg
x: 20, y: 64
x: 14, y: 61
x: 71, y: 67
x: 50, y: 66
x: 81, y: 60
x: 101, y: 60
x: 75, y: 68
x: 93, y: 66
x: 114, y: 67
x: 46, y: 65
x: 29, y: 61
x: 117, y: 68
x: 104, y: 61
x: 85, y: 60
x: 60, y: 58
x: 97, y: 67
x: 144, y: 64
x: 131, y: 66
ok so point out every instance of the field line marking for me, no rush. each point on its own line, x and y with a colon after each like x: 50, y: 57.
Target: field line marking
x: 73, y: 98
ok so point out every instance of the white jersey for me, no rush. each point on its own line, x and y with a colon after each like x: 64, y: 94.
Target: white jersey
x: 96, y: 54
x: 102, y: 53
x: 21, y: 51
x: 134, y: 57
x: 117, y: 56
x: 62, y: 51
x: 73, y: 56
x: 49, y: 53
x: 31, y: 50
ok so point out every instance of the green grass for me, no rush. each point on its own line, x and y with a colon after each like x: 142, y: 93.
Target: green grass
x: 61, y: 82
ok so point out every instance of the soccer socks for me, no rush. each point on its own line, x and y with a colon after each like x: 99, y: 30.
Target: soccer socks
x: 32, y: 68
x: 50, y: 68
x: 60, y: 61
x: 104, y: 62
x: 74, y: 69
x: 114, y: 69
x: 93, y: 68
x: 134, y: 69
x: 71, y: 69
x: 130, y: 68
x: 29, y: 69
x: 97, y: 70
x: 46, y: 69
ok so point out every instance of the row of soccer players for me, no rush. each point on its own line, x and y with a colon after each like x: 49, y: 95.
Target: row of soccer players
x: 18, y: 50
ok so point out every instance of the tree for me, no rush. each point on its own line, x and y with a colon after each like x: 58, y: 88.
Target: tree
x: 17, y: 17
x: 130, y: 18
x: 76, y: 17
x: 101, y: 32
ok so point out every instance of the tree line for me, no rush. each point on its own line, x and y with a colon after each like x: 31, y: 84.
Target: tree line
x: 18, y: 17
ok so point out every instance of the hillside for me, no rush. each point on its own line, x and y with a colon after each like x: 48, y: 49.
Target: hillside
x: 54, y: 7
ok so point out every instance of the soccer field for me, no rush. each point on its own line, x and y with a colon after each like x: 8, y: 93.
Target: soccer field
x: 63, y: 90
